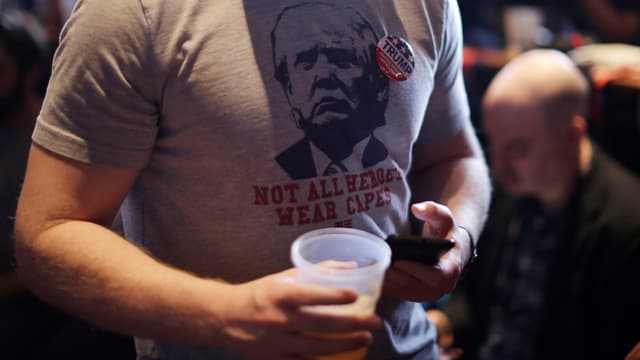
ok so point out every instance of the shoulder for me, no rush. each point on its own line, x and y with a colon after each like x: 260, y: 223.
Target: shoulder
x: 623, y: 185
x: 102, y: 28
x: 443, y: 13
x: 113, y: 13
x: 613, y: 192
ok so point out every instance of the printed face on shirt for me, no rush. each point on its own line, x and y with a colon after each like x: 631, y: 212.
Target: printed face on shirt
x: 331, y: 79
x: 326, y: 81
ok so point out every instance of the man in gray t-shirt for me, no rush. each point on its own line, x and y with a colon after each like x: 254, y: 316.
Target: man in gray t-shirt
x: 225, y: 129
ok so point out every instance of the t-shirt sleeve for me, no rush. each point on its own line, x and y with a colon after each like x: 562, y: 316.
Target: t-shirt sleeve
x: 448, y: 107
x: 102, y: 100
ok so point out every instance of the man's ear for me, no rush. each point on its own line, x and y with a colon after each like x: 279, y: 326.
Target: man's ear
x: 577, y: 127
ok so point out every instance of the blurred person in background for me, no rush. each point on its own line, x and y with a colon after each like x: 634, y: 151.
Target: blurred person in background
x: 571, y: 23
x: 608, y: 21
x: 446, y: 337
x: 29, y: 328
x: 26, y: 322
x: 560, y: 256
x: 482, y: 23
x: 21, y: 61
x: 611, y: 20
x: 54, y: 14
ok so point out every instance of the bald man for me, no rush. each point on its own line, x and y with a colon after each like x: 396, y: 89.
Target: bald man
x: 535, y: 112
x: 561, y: 252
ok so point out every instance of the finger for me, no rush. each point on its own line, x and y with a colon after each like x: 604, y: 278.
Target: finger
x: 298, y: 295
x: 398, y: 276
x: 287, y: 275
x: 405, y: 287
x: 312, y: 319
x: 437, y: 217
x: 326, y: 343
x: 441, y: 278
x: 416, y: 282
x: 429, y: 275
x: 396, y: 280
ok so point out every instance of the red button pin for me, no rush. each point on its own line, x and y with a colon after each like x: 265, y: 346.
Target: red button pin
x: 395, y: 58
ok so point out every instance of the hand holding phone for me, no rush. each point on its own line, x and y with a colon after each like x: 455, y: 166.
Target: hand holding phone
x: 426, y: 250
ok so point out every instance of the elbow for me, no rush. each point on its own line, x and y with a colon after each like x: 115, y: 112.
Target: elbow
x: 26, y: 233
x: 23, y: 254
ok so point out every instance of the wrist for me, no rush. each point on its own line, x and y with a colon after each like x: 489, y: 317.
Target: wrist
x: 473, y: 253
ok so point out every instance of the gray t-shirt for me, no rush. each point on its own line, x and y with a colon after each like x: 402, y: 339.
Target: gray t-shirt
x: 236, y: 110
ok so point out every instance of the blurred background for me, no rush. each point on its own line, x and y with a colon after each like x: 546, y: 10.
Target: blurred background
x: 601, y: 36
x: 29, y: 328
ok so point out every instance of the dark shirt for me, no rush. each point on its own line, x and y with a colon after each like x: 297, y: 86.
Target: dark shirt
x: 521, y: 281
x: 588, y: 273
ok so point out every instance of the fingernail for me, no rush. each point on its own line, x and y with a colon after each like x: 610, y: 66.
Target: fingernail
x: 420, y: 207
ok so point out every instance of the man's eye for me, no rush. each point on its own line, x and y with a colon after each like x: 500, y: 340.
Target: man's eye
x: 342, y: 58
x: 344, y: 64
x: 306, y: 65
x: 306, y: 59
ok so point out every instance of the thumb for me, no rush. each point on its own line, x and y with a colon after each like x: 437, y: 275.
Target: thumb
x: 438, y: 219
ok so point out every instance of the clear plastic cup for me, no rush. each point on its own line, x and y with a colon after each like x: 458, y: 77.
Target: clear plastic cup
x: 346, y: 259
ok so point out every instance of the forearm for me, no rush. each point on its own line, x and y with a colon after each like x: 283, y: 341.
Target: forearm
x: 97, y: 275
x: 463, y: 186
x: 67, y: 256
x: 453, y: 190
x: 457, y: 178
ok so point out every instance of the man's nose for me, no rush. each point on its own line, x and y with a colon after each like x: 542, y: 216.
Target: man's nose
x: 325, y: 76
x: 325, y: 67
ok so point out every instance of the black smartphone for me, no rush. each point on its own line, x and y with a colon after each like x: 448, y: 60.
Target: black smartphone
x: 426, y: 250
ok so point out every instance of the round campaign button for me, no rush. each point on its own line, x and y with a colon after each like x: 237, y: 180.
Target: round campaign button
x: 395, y: 58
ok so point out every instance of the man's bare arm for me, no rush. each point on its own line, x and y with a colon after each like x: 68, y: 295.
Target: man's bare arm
x: 454, y: 173
x: 67, y: 255
x: 451, y: 188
